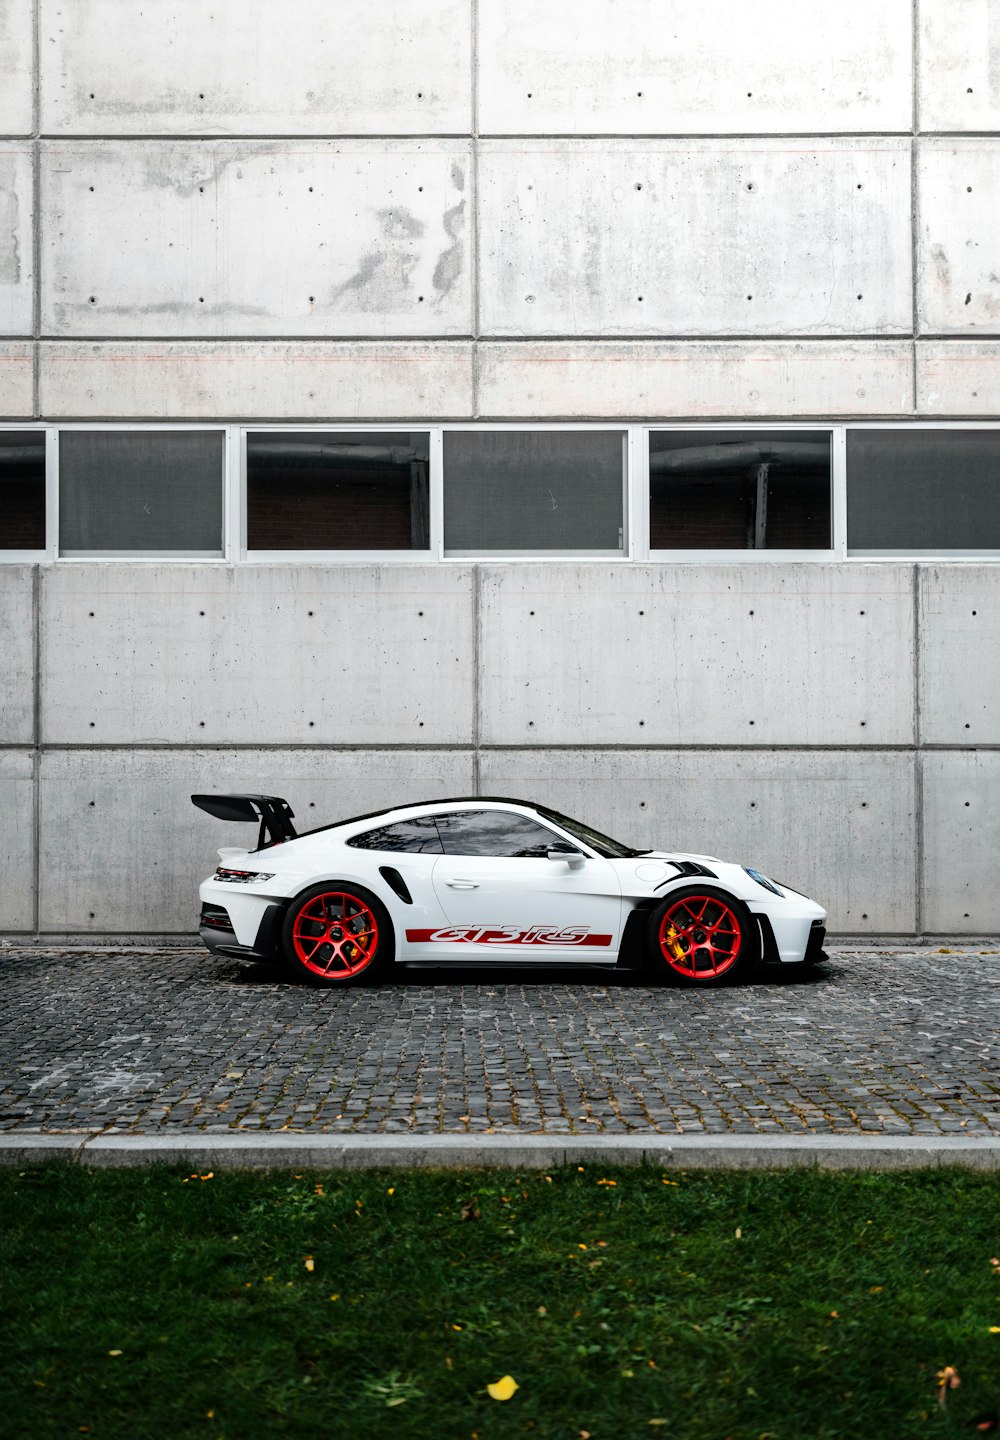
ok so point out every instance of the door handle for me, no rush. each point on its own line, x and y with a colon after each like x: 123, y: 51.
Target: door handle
x: 462, y: 884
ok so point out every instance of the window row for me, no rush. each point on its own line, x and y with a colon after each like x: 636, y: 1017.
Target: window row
x: 633, y: 492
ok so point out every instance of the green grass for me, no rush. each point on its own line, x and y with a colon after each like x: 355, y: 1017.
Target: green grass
x: 624, y: 1302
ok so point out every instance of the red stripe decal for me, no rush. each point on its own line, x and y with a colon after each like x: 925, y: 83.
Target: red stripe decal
x: 560, y: 936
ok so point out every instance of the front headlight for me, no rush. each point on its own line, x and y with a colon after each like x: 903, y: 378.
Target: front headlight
x: 763, y: 880
x: 240, y: 877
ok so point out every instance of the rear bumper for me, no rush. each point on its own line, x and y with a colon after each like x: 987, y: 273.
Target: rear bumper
x: 217, y: 933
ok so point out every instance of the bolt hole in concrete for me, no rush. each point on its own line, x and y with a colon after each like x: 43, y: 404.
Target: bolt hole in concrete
x: 864, y: 804
x: 749, y: 297
x: 863, y: 724
x: 975, y: 612
x: 967, y: 803
x: 92, y: 804
x: 309, y: 612
x: 638, y: 187
x: 968, y: 189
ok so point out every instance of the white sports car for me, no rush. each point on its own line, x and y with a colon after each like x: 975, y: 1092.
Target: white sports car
x: 489, y: 882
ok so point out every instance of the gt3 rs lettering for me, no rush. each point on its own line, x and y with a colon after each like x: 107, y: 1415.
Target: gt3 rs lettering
x: 508, y: 935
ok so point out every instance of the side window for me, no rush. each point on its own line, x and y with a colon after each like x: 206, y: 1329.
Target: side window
x: 418, y: 836
x: 494, y: 832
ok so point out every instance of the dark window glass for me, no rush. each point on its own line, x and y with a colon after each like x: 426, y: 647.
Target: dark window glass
x: 338, y: 491
x: 603, y: 844
x: 22, y: 490
x: 140, y: 491
x: 923, y: 490
x: 739, y: 490
x: 533, y: 490
x: 495, y: 832
x: 416, y: 836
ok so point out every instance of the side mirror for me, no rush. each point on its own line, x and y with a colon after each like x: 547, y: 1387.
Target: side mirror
x: 566, y: 853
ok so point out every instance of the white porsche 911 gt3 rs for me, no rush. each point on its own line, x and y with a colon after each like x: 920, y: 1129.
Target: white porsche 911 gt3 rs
x: 490, y: 882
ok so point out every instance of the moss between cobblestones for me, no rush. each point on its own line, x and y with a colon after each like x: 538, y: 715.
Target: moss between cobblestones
x: 625, y: 1303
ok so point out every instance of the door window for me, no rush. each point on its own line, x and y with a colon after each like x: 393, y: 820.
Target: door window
x: 496, y: 833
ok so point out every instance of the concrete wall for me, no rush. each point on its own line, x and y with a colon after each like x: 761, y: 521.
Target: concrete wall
x: 431, y: 210
x: 622, y: 694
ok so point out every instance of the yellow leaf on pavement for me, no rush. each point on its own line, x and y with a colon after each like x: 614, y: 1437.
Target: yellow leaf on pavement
x: 503, y: 1388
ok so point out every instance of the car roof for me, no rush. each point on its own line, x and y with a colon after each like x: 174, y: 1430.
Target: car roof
x: 465, y: 800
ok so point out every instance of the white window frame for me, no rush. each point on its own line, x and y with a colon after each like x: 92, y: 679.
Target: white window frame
x: 142, y: 557
x: 918, y: 557
x: 44, y: 552
x: 837, y: 549
x: 340, y: 557
x: 635, y: 498
x: 617, y: 557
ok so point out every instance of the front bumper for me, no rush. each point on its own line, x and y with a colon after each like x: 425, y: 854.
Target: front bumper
x: 789, y: 929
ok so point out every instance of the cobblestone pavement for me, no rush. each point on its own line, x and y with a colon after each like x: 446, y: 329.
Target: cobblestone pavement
x: 887, y: 1041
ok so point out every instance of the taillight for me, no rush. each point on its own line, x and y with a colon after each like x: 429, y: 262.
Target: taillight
x: 240, y: 877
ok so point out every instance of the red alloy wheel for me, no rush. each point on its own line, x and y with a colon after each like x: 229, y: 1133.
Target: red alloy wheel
x: 335, y: 935
x: 700, y: 937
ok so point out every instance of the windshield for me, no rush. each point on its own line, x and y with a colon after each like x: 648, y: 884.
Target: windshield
x: 603, y: 844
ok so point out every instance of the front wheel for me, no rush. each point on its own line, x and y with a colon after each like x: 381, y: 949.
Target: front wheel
x: 703, y: 937
x: 336, y: 934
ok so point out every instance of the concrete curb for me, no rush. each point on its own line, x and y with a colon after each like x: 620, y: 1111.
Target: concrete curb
x: 283, y: 1150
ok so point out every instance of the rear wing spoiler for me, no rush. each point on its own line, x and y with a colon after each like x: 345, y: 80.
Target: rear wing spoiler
x: 274, y: 814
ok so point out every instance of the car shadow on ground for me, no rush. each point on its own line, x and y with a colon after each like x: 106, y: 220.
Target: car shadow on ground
x: 268, y: 974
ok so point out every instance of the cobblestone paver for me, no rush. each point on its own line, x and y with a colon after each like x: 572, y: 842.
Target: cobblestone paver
x: 900, y: 1042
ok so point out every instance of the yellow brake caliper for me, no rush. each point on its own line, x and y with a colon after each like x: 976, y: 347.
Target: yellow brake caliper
x: 673, y: 940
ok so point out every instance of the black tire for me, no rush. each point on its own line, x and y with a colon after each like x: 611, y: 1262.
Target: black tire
x: 715, y: 940
x: 337, y: 935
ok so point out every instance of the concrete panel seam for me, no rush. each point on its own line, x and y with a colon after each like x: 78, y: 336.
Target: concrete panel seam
x: 477, y: 683
x: 918, y: 769
x: 499, y: 746
x: 36, y: 754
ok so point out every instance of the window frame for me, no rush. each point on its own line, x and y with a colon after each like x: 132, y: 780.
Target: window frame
x: 44, y: 553
x: 635, y: 498
x: 341, y: 557
x: 140, y: 557
x: 837, y: 549
x: 919, y: 557
x: 616, y: 557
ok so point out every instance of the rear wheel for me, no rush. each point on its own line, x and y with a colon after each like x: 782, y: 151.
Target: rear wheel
x: 703, y: 937
x: 337, y: 935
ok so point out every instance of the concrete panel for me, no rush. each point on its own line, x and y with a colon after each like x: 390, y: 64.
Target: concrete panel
x: 16, y: 239
x: 959, y: 642
x: 262, y: 238
x: 268, y: 654
x: 837, y: 825
x: 17, y: 841
x: 961, y: 808
x: 140, y: 848
x: 17, y: 390
x: 17, y: 67
x: 580, y: 654
x: 253, y: 67
x: 692, y: 378
x: 17, y: 646
x: 646, y: 67
x: 958, y: 252
x: 959, y: 84
x: 695, y: 237
x: 309, y: 380
x: 957, y: 378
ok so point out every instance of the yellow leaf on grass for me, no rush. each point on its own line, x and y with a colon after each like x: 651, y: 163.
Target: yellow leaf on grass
x: 309, y: 1263
x: 114, y: 1352
x: 503, y: 1388
x: 995, y: 1329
